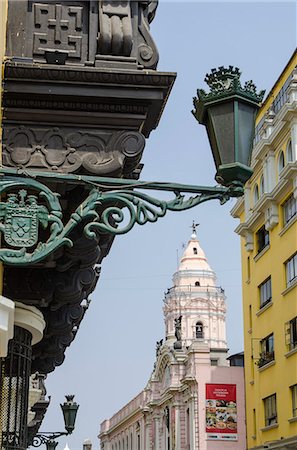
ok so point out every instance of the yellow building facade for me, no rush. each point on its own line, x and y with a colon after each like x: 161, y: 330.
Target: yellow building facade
x: 268, y: 230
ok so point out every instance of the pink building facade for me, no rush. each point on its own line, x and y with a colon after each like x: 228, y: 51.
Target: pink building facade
x: 194, y: 399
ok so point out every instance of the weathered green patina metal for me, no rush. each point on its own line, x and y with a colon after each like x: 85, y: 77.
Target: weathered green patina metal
x: 228, y: 111
x: 111, y: 206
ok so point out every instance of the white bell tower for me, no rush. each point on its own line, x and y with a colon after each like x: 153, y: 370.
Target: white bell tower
x: 201, y: 303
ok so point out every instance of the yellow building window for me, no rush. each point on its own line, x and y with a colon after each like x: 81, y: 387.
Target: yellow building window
x: 289, y: 209
x: 262, y: 238
x: 267, y: 350
x: 270, y: 410
x: 291, y: 270
x: 291, y: 333
x: 265, y: 292
x: 294, y: 400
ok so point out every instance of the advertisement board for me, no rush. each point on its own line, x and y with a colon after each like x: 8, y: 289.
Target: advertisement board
x: 221, y: 412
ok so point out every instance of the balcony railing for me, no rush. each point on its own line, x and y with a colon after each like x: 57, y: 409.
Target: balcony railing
x: 265, y: 358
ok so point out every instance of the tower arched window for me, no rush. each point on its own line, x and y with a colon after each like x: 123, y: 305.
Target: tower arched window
x: 199, y: 330
x: 195, y: 251
x: 197, y: 283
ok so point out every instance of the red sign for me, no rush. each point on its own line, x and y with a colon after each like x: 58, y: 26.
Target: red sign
x: 221, y: 412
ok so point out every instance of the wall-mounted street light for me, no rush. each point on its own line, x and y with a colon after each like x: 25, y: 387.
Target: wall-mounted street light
x: 113, y: 205
x: 228, y: 111
x: 69, y: 409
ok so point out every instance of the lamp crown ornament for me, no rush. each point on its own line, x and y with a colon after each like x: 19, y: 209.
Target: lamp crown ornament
x: 222, y: 77
x: 223, y: 82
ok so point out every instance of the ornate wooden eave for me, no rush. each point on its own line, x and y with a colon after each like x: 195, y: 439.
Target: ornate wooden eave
x: 93, y: 97
x: 77, y: 101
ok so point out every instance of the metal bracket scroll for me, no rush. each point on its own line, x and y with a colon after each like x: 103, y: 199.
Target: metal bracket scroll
x: 31, y: 206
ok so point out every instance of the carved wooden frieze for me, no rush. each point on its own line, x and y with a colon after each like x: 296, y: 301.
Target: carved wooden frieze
x: 69, y: 150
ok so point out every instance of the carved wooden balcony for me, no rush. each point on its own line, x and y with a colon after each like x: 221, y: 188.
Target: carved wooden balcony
x: 81, y: 95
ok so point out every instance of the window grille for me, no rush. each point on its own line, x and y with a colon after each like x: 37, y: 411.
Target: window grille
x: 14, y: 383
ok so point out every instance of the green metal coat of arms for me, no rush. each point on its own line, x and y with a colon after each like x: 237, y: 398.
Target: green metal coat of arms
x: 22, y: 216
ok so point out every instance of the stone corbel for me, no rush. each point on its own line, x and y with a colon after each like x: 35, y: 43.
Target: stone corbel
x: 247, y: 235
x: 271, y: 216
x: 268, y: 125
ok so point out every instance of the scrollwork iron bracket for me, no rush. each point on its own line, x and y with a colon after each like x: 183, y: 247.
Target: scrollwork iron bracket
x: 47, y: 437
x: 111, y: 206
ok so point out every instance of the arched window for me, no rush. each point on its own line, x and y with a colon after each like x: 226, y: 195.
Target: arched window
x: 256, y: 193
x: 197, y: 283
x: 195, y: 251
x: 199, y: 330
x: 281, y: 161
x: 262, y: 188
x: 289, y: 152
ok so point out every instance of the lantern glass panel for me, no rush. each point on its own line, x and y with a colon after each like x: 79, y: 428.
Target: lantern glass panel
x: 222, y: 121
x: 246, y: 124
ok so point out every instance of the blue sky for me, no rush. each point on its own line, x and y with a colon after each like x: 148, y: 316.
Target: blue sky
x: 112, y: 356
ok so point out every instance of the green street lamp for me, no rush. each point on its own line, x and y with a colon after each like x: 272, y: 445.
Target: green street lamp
x: 69, y: 409
x: 115, y: 205
x: 228, y: 111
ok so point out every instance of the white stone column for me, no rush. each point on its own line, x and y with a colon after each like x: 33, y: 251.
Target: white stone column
x: 142, y: 434
x: 192, y: 425
x: 177, y: 427
x: 270, y: 172
x: 147, y: 435
x: 6, y: 324
x: 157, y: 433
x: 31, y: 319
x: 18, y: 314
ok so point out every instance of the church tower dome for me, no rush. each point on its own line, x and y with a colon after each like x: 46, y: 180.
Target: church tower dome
x: 196, y: 298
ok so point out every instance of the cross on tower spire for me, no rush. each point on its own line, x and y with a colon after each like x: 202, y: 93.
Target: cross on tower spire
x: 194, y: 226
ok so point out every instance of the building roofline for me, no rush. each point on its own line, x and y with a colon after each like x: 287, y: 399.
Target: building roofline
x: 264, y: 104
